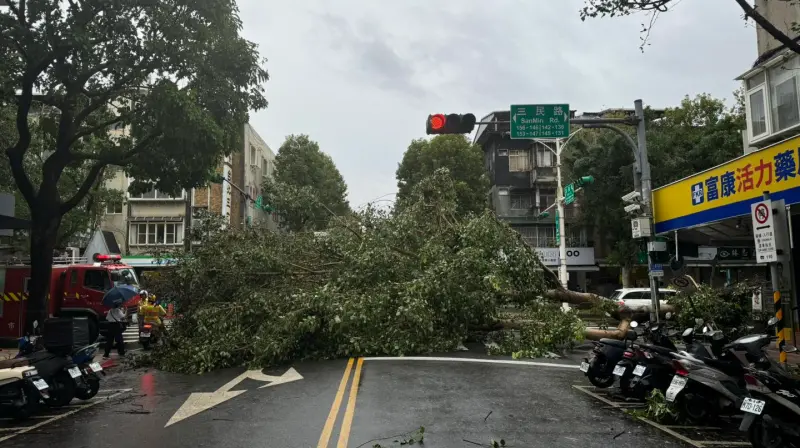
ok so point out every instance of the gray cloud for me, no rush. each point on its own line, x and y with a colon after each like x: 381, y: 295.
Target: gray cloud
x: 360, y: 76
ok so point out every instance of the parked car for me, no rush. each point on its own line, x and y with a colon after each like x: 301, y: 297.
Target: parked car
x: 637, y: 298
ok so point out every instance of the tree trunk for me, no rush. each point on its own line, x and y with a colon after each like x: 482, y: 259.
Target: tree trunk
x: 626, y: 277
x: 45, y: 221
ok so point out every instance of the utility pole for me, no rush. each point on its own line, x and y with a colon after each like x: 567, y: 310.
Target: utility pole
x: 563, y: 275
x: 647, y: 199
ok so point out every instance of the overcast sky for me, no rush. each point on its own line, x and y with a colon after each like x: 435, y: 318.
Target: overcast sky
x: 361, y: 76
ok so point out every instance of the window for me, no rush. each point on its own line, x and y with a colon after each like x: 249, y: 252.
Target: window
x: 521, y: 202
x: 546, y: 236
x: 519, y: 160
x: 502, y: 152
x: 114, y: 208
x: 547, y: 197
x: 152, y: 233
x: 783, y: 95
x: 544, y: 157
x: 96, y: 279
x: 155, y: 194
x: 253, y: 160
x: 757, y: 106
x: 528, y: 235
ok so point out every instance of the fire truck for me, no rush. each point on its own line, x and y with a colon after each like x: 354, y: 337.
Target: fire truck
x: 77, y: 287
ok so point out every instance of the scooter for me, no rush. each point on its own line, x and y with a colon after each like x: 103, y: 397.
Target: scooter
x: 21, y: 389
x: 652, y: 367
x: 58, y: 371
x: 706, y: 387
x: 602, y: 360
x: 772, y: 407
x: 148, y: 335
x: 88, y: 384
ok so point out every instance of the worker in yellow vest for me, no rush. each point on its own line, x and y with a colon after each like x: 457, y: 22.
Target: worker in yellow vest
x: 149, y: 312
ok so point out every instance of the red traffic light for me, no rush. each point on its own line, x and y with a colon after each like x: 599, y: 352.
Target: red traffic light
x: 437, y: 122
x: 450, y: 124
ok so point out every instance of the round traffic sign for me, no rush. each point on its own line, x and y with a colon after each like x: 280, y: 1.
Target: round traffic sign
x: 761, y: 213
x: 680, y: 282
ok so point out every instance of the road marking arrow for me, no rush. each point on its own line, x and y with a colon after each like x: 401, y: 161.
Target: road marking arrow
x: 201, y: 401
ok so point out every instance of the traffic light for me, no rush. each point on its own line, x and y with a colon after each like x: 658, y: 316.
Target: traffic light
x: 584, y: 181
x: 450, y: 124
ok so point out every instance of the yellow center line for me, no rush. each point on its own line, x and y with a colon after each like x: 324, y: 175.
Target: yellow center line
x: 344, y: 435
x: 337, y: 403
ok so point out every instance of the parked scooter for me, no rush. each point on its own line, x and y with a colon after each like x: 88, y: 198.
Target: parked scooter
x: 88, y: 384
x: 651, y: 368
x: 21, y: 389
x: 706, y: 386
x: 148, y: 335
x: 772, y: 409
x: 57, y: 370
x: 600, y: 365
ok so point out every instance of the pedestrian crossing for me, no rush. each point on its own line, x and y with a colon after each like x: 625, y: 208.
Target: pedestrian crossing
x: 131, y: 334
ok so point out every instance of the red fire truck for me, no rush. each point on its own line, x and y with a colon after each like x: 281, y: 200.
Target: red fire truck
x: 76, y: 289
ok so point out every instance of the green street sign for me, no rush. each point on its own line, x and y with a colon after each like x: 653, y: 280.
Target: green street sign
x: 558, y: 230
x: 569, y: 194
x: 539, y: 121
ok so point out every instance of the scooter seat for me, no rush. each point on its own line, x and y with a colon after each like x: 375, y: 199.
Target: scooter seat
x: 614, y: 342
x: 657, y: 348
x: 13, y: 373
x: 14, y: 363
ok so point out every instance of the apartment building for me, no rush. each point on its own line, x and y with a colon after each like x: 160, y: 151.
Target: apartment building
x: 522, y: 175
x: 771, y: 84
x: 154, y: 219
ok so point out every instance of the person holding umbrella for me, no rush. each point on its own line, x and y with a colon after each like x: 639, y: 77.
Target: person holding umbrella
x: 117, y: 317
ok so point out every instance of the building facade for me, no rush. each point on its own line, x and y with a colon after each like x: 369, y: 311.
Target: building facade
x: 144, y: 222
x: 523, y: 184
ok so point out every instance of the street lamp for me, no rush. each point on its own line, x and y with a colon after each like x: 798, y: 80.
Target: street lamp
x: 563, y: 275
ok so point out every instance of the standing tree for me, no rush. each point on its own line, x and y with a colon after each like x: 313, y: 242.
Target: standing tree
x: 160, y: 88
x: 699, y: 134
x: 615, y: 8
x: 308, y: 188
x: 457, y: 154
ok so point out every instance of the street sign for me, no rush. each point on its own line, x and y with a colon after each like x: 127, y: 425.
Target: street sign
x: 656, y: 270
x: 558, y: 230
x: 569, y: 194
x: 764, y: 232
x: 684, y: 283
x: 539, y: 121
x: 640, y: 227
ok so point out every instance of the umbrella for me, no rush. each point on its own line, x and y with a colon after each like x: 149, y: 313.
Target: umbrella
x: 119, y: 294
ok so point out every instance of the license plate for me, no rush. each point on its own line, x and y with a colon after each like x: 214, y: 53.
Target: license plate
x: 40, y: 384
x: 619, y: 370
x: 144, y: 334
x: 584, y: 367
x: 677, y: 385
x: 135, y: 318
x: 95, y: 367
x: 753, y: 406
x: 74, y: 372
x: 639, y: 370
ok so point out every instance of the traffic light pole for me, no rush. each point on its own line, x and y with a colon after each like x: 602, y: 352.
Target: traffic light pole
x: 642, y: 178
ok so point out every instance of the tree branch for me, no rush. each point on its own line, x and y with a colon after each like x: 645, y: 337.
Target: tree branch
x: 773, y: 31
x: 16, y: 154
x: 88, y: 182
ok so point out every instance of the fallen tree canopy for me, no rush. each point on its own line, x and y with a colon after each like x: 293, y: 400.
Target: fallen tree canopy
x: 374, y: 283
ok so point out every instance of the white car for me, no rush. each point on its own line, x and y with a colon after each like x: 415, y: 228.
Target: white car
x: 637, y: 298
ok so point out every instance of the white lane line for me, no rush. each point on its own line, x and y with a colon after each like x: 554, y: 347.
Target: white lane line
x: 474, y: 360
x: 672, y: 433
x: 66, y: 414
x: 725, y: 444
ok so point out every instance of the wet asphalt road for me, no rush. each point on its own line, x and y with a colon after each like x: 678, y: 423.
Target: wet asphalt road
x: 456, y: 402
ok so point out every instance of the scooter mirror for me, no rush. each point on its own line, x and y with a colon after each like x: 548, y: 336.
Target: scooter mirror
x: 36, y: 324
x: 688, y: 332
x: 668, y: 316
x: 789, y: 349
x: 706, y: 329
x: 634, y: 324
x: 772, y: 321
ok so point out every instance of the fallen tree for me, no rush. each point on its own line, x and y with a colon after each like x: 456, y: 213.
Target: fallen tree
x: 375, y: 283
